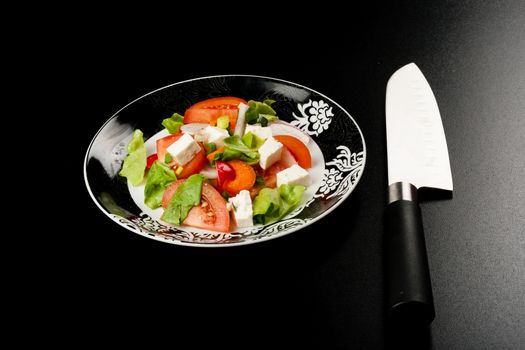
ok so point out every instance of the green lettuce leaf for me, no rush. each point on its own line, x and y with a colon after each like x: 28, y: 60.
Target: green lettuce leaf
x: 160, y: 176
x: 235, y: 148
x: 173, y: 123
x: 252, y: 141
x: 135, y: 162
x: 266, y: 206
x: 272, y: 204
x: 260, y: 112
x: 187, y: 195
x: 264, y: 119
x: 210, y: 147
x: 291, y: 196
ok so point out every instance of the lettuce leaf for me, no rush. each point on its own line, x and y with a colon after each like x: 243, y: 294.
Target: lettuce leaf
x: 252, y: 141
x: 173, y: 123
x: 160, y: 176
x: 187, y: 195
x: 266, y: 206
x: 135, y: 162
x: 236, y: 148
x: 291, y: 196
x: 272, y: 204
x: 265, y: 118
x: 260, y: 112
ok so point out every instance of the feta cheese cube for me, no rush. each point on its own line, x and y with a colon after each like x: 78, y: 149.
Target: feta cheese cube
x: 294, y: 175
x: 270, y: 152
x: 259, y: 131
x: 215, y: 135
x: 242, y: 209
x: 184, y: 149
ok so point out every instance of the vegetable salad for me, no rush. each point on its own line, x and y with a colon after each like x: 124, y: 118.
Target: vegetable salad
x: 225, y: 164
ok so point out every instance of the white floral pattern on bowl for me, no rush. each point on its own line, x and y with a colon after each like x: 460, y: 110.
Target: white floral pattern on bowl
x: 316, y: 117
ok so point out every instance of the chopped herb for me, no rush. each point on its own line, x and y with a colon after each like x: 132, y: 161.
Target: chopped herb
x: 259, y: 180
x: 210, y: 147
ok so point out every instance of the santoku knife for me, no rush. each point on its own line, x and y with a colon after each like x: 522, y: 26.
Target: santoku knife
x: 417, y: 158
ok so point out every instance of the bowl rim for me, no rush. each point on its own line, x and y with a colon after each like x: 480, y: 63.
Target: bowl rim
x: 219, y: 245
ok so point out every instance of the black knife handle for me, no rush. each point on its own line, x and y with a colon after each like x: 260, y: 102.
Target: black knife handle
x: 409, y: 292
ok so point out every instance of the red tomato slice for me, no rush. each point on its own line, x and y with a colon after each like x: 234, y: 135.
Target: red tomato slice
x: 299, y: 150
x: 226, y: 102
x: 163, y: 144
x: 210, y: 116
x: 208, y: 111
x: 210, y: 215
x: 192, y: 167
x: 168, y: 193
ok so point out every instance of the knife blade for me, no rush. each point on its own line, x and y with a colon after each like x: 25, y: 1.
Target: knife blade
x: 417, y: 157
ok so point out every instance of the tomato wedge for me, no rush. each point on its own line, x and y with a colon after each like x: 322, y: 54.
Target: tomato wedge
x: 225, y: 102
x: 299, y: 150
x: 208, y: 111
x: 163, y: 144
x: 210, y: 215
x: 192, y: 167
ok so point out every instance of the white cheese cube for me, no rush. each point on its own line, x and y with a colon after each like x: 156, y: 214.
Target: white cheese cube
x: 201, y: 137
x: 184, y: 149
x: 270, y: 152
x: 215, y: 135
x: 259, y: 131
x: 294, y: 175
x: 242, y: 209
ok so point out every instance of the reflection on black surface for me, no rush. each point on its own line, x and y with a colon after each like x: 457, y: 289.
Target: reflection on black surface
x: 402, y: 335
x: 432, y: 194
x: 269, y: 290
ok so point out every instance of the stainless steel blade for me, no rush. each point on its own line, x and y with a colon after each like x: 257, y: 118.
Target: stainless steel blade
x: 416, y: 144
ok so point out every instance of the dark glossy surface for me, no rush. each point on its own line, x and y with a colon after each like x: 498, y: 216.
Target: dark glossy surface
x: 299, y: 291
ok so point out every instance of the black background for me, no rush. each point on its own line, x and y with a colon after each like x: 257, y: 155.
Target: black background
x: 321, y: 287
